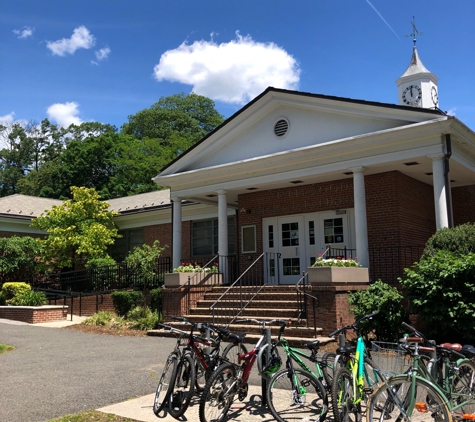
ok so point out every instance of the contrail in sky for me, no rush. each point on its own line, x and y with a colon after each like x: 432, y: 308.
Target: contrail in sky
x: 379, y: 14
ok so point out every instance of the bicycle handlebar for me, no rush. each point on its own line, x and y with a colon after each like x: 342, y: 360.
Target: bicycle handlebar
x: 203, y: 325
x: 354, y: 326
x: 264, y: 323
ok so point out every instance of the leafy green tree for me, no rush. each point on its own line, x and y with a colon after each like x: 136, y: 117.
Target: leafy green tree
x: 18, y: 258
x: 144, y: 260
x: 178, y: 121
x: 387, y: 300
x: 459, y: 240
x: 78, y: 230
x: 441, y: 290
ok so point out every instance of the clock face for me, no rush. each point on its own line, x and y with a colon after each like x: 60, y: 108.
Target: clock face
x: 435, y: 96
x: 412, y: 95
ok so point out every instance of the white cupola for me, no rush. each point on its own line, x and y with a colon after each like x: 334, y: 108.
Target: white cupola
x: 417, y: 87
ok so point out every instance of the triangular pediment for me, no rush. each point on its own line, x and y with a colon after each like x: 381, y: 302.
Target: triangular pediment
x: 312, y: 120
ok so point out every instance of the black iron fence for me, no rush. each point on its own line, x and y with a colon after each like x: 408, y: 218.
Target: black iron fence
x: 107, y: 278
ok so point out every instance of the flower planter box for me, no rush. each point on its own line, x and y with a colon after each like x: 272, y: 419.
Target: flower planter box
x: 337, y: 275
x: 181, y: 279
x: 34, y: 314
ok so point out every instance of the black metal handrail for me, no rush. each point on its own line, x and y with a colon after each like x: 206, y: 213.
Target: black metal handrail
x: 231, y: 304
x: 302, y: 294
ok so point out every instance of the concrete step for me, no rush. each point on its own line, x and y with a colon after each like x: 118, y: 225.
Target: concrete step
x: 267, y: 313
x: 254, y: 304
x: 235, y: 296
x: 295, y: 337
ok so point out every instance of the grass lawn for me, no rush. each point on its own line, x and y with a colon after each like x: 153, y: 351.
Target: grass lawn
x: 4, y: 348
x: 94, y: 416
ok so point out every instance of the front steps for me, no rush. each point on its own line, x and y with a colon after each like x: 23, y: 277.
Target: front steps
x: 273, y: 302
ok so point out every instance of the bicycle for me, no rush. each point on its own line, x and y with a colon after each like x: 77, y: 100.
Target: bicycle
x: 297, y: 394
x: 409, y: 396
x: 448, y: 373
x: 193, y: 358
x: 355, y: 375
x: 231, y: 379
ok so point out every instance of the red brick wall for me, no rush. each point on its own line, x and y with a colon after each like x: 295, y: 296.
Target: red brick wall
x: 33, y: 315
x: 400, y: 210
x: 88, y: 305
x: 463, y: 203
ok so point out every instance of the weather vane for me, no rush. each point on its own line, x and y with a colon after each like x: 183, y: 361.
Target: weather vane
x: 414, y: 32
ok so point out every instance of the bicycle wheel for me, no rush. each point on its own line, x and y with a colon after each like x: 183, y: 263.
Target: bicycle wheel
x: 328, y: 360
x: 182, y: 386
x: 232, y: 351
x: 218, y: 394
x: 463, y: 388
x: 372, y: 377
x: 163, y: 389
x: 296, y: 395
x: 343, y: 397
x: 394, y: 400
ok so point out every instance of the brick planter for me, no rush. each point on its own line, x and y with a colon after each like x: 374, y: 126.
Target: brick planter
x: 181, y: 279
x: 34, y: 314
x: 329, y: 276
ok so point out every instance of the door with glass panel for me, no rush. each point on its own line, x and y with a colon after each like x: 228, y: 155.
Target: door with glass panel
x: 286, y: 236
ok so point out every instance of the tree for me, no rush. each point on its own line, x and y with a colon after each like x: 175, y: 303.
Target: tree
x: 78, y: 230
x: 18, y: 258
x: 178, y: 121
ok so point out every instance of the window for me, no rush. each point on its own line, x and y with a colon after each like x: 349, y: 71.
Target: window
x: 291, y: 266
x: 129, y: 240
x: 204, y: 237
x: 248, y: 239
x: 333, y: 228
x: 271, y: 236
x: 290, y: 234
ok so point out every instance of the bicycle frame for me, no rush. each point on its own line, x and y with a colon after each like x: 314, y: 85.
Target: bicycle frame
x: 296, y: 354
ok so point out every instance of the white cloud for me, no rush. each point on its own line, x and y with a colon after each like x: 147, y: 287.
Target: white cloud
x: 8, y: 119
x: 233, y: 72
x: 103, y: 53
x: 64, y: 114
x: 25, y: 32
x: 81, y: 38
x: 451, y: 112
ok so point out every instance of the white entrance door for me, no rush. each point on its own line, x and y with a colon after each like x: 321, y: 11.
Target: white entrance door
x: 285, y: 236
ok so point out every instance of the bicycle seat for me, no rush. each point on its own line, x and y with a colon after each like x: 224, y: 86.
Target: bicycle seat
x: 468, y: 350
x: 237, y: 337
x: 452, y: 346
x: 315, y: 344
x: 346, y: 349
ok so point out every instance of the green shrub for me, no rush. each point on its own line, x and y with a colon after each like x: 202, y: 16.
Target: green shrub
x: 2, y: 299
x: 156, y: 300
x: 105, y: 318
x: 458, y: 240
x: 387, y: 300
x: 10, y: 290
x: 142, y: 318
x: 441, y: 290
x: 29, y: 298
x: 125, y: 301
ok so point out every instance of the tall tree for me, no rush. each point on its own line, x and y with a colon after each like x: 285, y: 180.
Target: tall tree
x: 175, y: 119
x: 79, y: 230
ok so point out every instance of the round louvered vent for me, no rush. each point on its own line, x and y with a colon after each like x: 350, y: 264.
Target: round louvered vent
x: 281, y: 127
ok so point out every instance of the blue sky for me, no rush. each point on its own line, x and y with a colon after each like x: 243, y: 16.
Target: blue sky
x: 103, y: 60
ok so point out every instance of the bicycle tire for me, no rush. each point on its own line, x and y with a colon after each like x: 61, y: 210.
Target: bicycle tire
x: 182, y: 386
x: 328, y: 360
x: 218, y: 395
x: 164, y: 384
x: 372, y: 377
x: 232, y: 351
x: 287, y: 405
x: 392, y: 401
x: 463, y: 388
x: 343, y: 394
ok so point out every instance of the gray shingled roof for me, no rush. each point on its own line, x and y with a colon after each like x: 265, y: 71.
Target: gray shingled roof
x: 415, y: 66
x: 32, y: 206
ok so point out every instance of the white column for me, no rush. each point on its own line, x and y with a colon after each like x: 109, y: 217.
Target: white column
x: 223, y: 232
x: 361, y: 225
x: 176, y: 240
x: 440, y: 196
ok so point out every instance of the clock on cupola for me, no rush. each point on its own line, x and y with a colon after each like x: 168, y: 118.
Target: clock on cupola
x: 417, y: 87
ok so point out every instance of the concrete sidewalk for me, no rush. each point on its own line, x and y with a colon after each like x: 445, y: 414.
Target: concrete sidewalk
x: 140, y: 409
